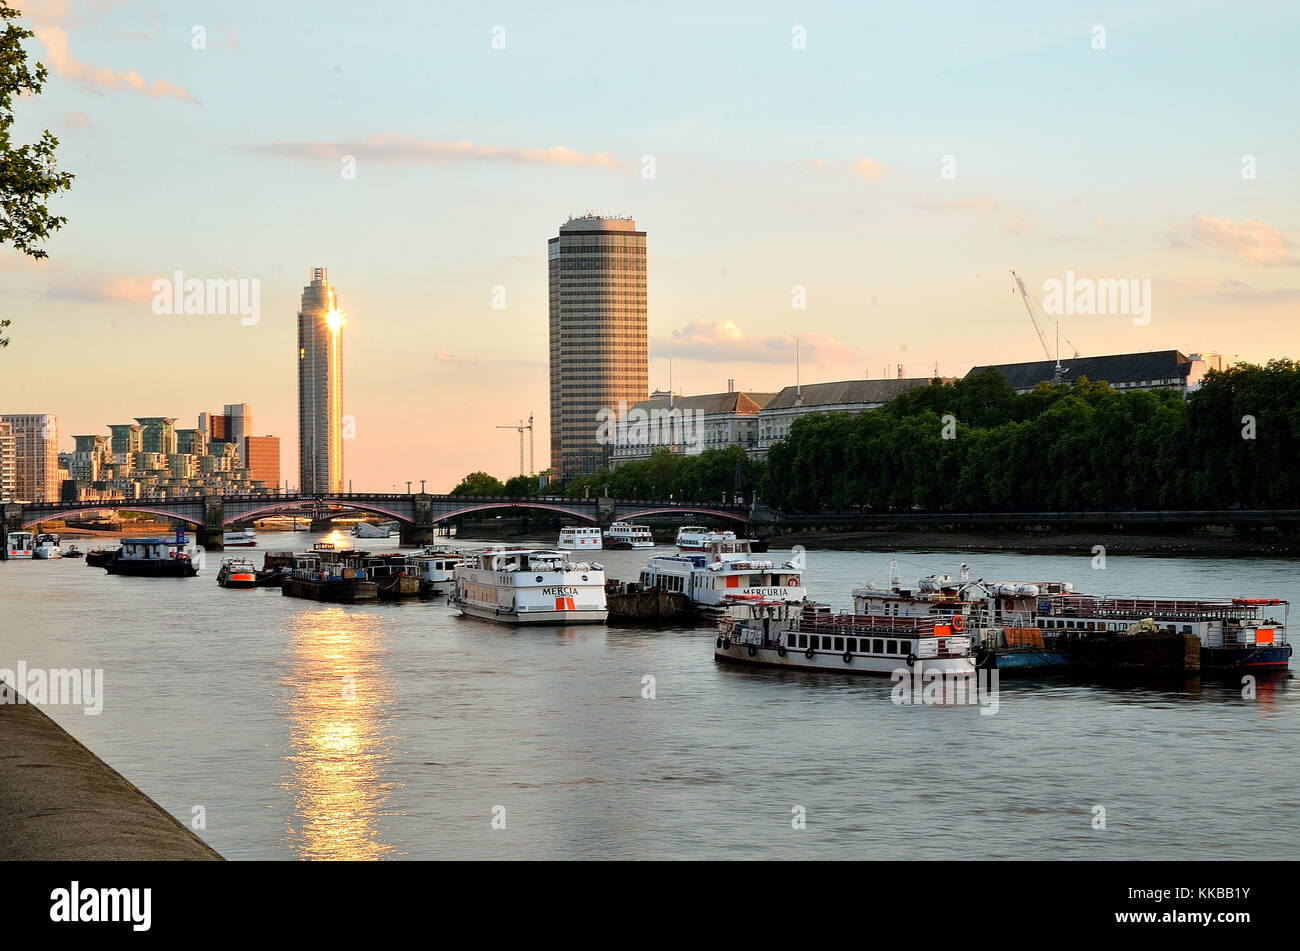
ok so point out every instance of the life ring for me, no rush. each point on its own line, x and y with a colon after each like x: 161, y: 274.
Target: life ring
x: 753, y: 651
x: 809, y: 653
x: 793, y: 582
x: 1008, y: 605
x: 911, y: 659
x: 848, y: 657
x: 958, y: 622
x: 780, y: 650
x: 726, y: 643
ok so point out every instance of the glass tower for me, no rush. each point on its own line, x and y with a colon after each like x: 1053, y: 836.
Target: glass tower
x: 320, y: 387
x: 597, y: 269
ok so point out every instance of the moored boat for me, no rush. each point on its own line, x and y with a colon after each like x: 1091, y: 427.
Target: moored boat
x: 622, y: 536
x: 530, y: 586
x: 436, y: 569
x: 579, y: 538
x: 392, y: 575
x: 329, y: 574
x: 769, y: 633
x: 99, y: 557
x: 239, y: 538
x: 695, y: 537
x: 725, y: 568
x: 18, y: 546
x: 153, y: 558
x: 237, y: 573
x: 74, y: 552
x: 377, y: 529
x: 631, y: 601
x: 47, y: 546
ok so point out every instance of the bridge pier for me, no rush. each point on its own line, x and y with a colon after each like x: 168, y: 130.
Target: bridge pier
x: 605, y: 511
x: 422, y: 530
x: 322, y: 524
x: 211, y: 533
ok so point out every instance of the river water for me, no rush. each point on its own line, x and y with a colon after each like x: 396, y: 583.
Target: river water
x: 293, y: 729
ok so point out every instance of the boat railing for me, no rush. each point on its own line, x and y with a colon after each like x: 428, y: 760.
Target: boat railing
x: 852, y: 624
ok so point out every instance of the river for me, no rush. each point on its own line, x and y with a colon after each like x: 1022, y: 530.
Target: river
x: 292, y: 729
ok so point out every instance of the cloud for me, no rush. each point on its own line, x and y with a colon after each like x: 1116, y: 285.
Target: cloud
x: 722, y: 341
x: 862, y: 167
x: 1252, y: 241
x: 100, y: 78
x: 415, y: 150
x: 101, y: 289
x: 976, y: 204
x: 77, y: 120
x: 1240, y: 292
x: 1017, y: 226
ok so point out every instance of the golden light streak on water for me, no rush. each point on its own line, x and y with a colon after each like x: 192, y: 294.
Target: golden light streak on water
x: 339, y: 740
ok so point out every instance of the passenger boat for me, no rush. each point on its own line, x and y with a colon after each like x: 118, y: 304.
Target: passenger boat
x: 631, y: 601
x: 241, y: 538
x: 624, y: 535
x: 724, y: 568
x: 47, y: 546
x: 153, y: 558
x: 530, y: 586
x: 237, y: 573
x: 769, y: 633
x: 694, y: 537
x: 327, y: 573
x: 18, y: 546
x: 436, y: 569
x: 579, y: 538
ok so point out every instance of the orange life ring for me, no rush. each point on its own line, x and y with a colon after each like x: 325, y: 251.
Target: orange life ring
x: 793, y: 582
x: 958, y: 622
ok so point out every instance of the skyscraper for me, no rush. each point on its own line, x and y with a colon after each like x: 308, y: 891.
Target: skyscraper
x: 597, y: 269
x: 36, y: 456
x: 239, y: 420
x: 320, y: 387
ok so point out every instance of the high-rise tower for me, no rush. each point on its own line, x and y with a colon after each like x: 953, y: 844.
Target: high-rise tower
x: 320, y: 387
x: 597, y: 269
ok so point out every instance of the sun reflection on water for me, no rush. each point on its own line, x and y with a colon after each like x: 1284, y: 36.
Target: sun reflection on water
x: 339, y: 743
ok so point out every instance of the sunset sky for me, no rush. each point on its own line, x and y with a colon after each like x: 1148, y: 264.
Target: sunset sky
x: 774, y: 166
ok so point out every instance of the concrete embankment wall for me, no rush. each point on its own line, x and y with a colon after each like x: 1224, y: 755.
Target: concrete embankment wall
x: 61, y: 802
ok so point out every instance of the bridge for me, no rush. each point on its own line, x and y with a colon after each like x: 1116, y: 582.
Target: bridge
x: 418, y: 513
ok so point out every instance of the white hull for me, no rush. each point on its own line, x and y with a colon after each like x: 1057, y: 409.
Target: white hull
x: 533, y: 617
x: 833, y: 663
x: 48, y: 553
x: 20, y: 555
x: 519, y: 586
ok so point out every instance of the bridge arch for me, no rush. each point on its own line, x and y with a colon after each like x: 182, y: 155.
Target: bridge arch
x: 62, y: 514
x: 550, y: 507
x: 285, y: 505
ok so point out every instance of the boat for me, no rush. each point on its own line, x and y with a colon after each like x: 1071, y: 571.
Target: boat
x: 47, y: 546
x: 99, y: 557
x: 74, y: 552
x: 240, y: 538
x: 694, y: 537
x: 392, y: 575
x: 530, y: 586
x: 624, y: 535
x: 436, y: 569
x: 18, y: 546
x: 632, y: 601
x: 237, y: 573
x: 579, y: 538
x: 377, y: 529
x: 327, y: 573
x: 154, y: 558
x: 724, y: 568
x: 764, y: 632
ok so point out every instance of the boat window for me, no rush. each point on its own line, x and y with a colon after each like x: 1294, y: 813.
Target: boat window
x: 878, y: 646
x: 893, y: 647
x: 839, y: 643
x: 803, y: 640
x: 852, y: 644
x: 1187, y: 629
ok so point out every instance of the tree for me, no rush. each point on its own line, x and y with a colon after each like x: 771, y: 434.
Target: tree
x: 28, y: 175
x: 479, y: 483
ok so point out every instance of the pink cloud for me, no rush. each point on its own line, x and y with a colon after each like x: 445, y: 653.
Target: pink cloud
x: 415, y: 150
x: 101, y: 78
x: 722, y: 341
x: 1252, y: 241
x: 863, y: 167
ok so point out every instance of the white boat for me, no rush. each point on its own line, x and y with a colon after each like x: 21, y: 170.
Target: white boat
x: 695, y: 537
x: 766, y: 633
x: 18, y: 546
x: 627, y: 535
x: 241, y: 538
x: 724, y: 569
x: 436, y: 569
x: 530, y: 586
x: 579, y: 538
x: 380, y: 530
x: 47, y: 546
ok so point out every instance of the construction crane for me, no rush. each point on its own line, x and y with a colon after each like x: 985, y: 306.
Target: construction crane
x: 521, y: 428
x: 1032, y: 305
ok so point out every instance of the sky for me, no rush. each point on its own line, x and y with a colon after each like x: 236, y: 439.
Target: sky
x: 883, y: 164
